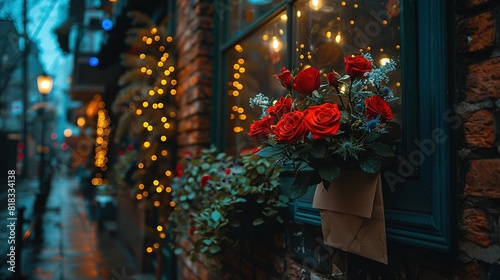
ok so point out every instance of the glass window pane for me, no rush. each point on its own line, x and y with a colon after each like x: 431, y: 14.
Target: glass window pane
x: 251, y: 65
x: 325, y: 31
x: 244, y: 12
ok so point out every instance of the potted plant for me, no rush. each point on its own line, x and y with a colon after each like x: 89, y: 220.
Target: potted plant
x: 220, y: 200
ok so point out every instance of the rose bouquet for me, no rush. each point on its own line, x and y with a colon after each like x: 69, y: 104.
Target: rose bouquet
x: 341, y: 125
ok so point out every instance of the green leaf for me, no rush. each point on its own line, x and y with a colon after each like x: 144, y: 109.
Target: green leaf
x: 329, y: 172
x: 283, y: 198
x: 302, y: 153
x: 260, y: 170
x: 372, y: 136
x: 215, y: 215
x: 318, y: 151
x: 258, y: 221
x: 381, y: 149
x: 270, y: 151
x: 220, y: 156
x: 214, y: 248
x: 178, y: 251
x: 344, y: 116
x: 299, y: 186
x: 279, y: 219
x: 370, y: 165
x: 205, y: 166
x: 207, y: 241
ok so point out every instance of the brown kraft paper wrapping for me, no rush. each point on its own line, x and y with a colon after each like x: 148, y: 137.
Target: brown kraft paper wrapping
x: 352, y: 214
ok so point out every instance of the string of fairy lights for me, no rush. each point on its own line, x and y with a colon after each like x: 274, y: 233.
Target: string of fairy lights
x: 101, y: 145
x: 146, y: 126
x: 151, y: 185
x: 238, y: 112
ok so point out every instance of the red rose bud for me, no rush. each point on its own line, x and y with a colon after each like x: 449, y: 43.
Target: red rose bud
x: 307, y: 81
x: 332, y: 79
x: 204, y: 180
x: 227, y: 171
x: 357, y: 66
x: 281, y: 107
x: 130, y: 148
x: 285, y: 78
x: 121, y: 153
x: 376, y: 105
x: 290, y: 127
x: 191, y: 231
x: 249, y: 151
x: 322, y: 120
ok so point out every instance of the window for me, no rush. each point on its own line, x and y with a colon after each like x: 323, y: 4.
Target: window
x: 265, y: 35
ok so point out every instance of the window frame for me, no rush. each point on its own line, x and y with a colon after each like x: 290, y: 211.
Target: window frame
x: 428, y: 230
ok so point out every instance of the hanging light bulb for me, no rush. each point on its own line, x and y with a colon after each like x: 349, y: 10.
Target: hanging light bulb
x: 315, y: 4
x: 383, y: 61
x: 275, y: 44
x: 338, y: 38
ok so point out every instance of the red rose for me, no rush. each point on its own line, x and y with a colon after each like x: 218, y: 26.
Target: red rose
x: 179, y: 170
x: 290, y: 127
x: 357, y: 66
x: 191, y: 231
x: 204, y: 180
x: 307, y: 81
x: 227, y: 171
x: 376, y: 105
x: 262, y: 128
x: 332, y: 79
x: 281, y: 107
x: 187, y: 154
x: 285, y: 77
x: 322, y: 120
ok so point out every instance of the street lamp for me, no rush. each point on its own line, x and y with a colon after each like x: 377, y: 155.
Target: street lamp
x: 44, y: 83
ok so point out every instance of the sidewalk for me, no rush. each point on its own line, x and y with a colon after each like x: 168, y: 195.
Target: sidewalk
x: 74, y: 247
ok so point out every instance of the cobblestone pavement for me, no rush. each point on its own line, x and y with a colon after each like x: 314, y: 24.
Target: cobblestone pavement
x: 74, y: 247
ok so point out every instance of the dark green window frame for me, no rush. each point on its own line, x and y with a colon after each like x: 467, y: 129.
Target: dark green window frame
x: 425, y: 76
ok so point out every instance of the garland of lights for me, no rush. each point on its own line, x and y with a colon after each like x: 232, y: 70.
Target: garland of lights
x: 146, y: 127
x: 101, y: 145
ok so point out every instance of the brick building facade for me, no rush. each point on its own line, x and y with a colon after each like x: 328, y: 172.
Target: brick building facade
x: 475, y: 97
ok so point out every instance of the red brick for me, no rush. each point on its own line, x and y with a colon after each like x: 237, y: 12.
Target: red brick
x: 475, y: 3
x: 200, y: 122
x: 475, y: 227
x: 480, y: 129
x: 197, y: 137
x: 469, y: 271
x: 476, y: 33
x: 483, y: 178
x: 483, y: 80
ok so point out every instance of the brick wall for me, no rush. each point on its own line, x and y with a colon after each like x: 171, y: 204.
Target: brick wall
x: 477, y: 101
x: 194, y: 91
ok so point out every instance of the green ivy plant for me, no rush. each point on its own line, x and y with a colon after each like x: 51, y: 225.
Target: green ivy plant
x: 218, y: 198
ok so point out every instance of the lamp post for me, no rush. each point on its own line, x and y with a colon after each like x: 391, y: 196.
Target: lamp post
x: 44, y: 83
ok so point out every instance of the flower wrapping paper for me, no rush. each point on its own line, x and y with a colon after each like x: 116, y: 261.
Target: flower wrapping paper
x: 352, y: 214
